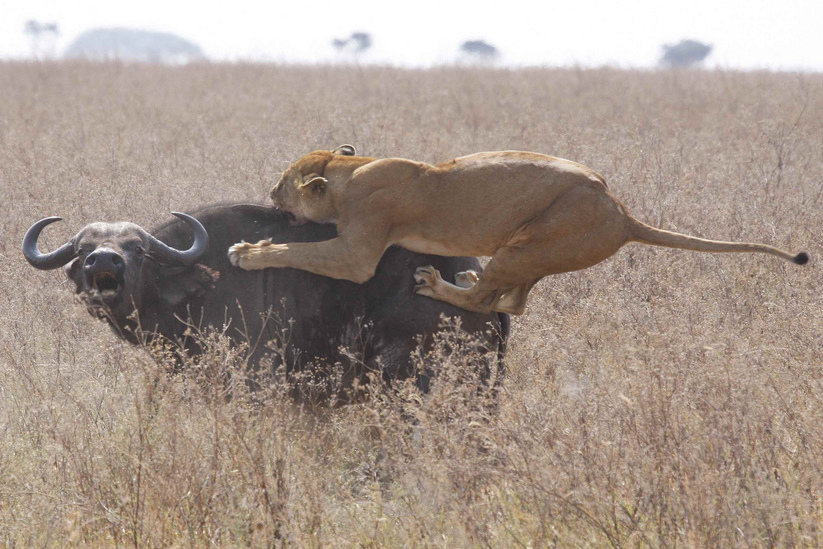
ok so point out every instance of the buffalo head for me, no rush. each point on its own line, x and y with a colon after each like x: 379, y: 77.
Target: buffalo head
x: 108, y: 261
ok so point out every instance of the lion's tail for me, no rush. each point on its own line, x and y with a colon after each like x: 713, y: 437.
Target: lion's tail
x: 640, y: 232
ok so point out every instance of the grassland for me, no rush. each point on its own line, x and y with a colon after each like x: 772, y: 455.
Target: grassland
x: 660, y: 399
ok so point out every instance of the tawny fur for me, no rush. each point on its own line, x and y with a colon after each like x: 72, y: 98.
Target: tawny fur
x: 535, y: 215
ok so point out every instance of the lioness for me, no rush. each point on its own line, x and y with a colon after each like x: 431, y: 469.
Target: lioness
x: 535, y: 215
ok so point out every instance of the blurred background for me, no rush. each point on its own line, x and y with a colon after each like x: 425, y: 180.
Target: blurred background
x: 728, y: 34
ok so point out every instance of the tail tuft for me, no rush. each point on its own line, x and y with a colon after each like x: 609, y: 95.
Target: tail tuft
x: 801, y: 259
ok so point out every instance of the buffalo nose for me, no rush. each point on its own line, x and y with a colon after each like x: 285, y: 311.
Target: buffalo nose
x: 104, y: 260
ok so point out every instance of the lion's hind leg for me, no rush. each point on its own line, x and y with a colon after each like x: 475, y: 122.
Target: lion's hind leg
x: 431, y: 284
x: 466, y: 279
x: 514, y: 301
x: 502, y: 286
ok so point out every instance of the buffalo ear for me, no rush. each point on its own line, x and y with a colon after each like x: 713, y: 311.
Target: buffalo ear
x: 177, y: 284
x: 315, y: 183
x: 75, y: 274
x: 345, y: 150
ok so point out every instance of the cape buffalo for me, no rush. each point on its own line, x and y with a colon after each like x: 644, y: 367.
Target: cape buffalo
x: 175, y: 281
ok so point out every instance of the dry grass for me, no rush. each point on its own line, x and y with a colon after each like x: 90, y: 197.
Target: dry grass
x: 661, y: 399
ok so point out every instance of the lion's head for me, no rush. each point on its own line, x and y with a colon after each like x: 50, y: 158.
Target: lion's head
x: 303, y: 191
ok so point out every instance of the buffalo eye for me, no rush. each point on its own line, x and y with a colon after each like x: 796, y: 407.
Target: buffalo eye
x: 139, y: 250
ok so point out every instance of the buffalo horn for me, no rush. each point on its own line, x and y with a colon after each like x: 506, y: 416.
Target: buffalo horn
x: 170, y: 256
x: 47, y: 261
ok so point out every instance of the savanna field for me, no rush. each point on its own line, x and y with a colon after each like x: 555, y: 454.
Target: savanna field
x: 663, y: 398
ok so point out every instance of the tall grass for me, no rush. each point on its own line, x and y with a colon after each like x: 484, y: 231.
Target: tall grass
x: 662, y: 398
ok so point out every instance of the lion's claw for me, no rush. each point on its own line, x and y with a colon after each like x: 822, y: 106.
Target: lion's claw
x: 427, y: 274
x: 427, y: 279
x: 424, y: 290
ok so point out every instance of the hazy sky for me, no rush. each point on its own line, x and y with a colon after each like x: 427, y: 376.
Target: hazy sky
x: 782, y: 34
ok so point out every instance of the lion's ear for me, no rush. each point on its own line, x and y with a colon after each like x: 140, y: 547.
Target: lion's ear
x: 345, y: 150
x: 315, y: 183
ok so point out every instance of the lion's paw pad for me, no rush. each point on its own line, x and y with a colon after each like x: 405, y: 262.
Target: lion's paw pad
x: 466, y: 279
x: 237, y: 252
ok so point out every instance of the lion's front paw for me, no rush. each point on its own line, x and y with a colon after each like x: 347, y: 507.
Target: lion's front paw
x: 255, y: 256
x: 236, y: 253
x: 427, y: 278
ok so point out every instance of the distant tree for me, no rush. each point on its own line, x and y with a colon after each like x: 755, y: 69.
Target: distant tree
x: 479, y: 49
x: 685, y: 53
x: 39, y: 33
x: 362, y: 41
x: 357, y: 43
